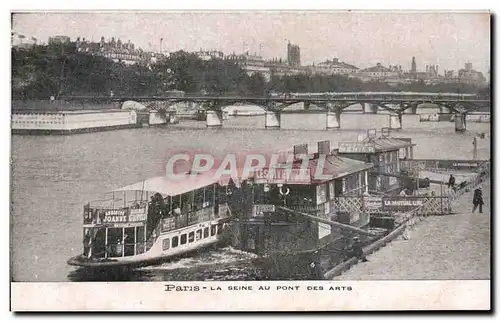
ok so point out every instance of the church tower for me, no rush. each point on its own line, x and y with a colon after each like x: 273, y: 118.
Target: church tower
x: 413, y: 66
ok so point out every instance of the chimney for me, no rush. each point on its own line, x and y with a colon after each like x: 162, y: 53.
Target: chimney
x: 324, y: 147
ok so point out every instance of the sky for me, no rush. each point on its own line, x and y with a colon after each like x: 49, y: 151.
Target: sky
x: 448, y: 39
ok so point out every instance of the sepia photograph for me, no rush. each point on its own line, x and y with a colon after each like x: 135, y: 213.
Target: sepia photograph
x: 225, y: 151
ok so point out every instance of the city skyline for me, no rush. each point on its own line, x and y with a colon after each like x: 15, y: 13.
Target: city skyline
x: 363, y: 39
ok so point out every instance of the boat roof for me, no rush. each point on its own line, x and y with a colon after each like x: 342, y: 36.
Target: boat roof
x: 182, y: 184
x: 380, y: 144
x: 336, y: 167
x: 383, y: 144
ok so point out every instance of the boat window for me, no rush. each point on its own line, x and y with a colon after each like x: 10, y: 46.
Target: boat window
x: 129, y: 241
x: 191, y: 237
x: 166, y: 244
x: 186, y: 202
x: 140, y: 234
x: 301, y: 196
x: 221, y: 195
x: 209, y: 196
x: 175, y: 241
x: 219, y: 228
x: 198, y: 235
x: 213, y: 230
x: 166, y: 210
x: 198, y: 199
x: 205, y: 232
x: 115, y: 242
x: 183, y: 239
x: 176, y: 205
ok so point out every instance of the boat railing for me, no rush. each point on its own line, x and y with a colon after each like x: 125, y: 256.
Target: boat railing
x: 310, y: 209
x: 171, y: 223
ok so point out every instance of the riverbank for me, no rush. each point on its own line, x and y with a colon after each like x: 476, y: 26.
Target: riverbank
x: 440, y: 248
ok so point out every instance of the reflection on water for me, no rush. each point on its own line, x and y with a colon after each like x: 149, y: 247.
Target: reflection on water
x: 53, y: 176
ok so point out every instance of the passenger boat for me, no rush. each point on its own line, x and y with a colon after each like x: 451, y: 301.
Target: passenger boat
x: 152, y: 220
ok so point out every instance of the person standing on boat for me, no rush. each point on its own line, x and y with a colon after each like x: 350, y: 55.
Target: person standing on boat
x: 315, y: 270
x: 477, y: 200
x: 357, y: 250
x: 451, y: 181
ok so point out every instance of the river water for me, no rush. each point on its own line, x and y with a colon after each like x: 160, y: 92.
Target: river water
x: 53, y: 176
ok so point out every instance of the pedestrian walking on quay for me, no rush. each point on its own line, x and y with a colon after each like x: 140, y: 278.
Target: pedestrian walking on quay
x: 451, y: 181
x: 477, y: 200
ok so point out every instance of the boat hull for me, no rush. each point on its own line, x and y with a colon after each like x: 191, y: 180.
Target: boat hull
x: 82, y: 261
x: 210, y: 230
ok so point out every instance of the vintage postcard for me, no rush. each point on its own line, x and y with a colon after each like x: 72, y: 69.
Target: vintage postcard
x: 250, y: 160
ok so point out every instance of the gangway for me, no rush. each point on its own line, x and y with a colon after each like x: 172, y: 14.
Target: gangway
x: 412, y: 177
x: 331, y: 223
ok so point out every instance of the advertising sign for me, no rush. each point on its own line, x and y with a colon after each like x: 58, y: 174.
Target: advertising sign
x: 115, y: 216
x: 331, y: 190
x: 260, y: 209
x: 137, y: 215
x: 372, y: 203
x: 124, y: 217
x: 402, y: 203
x: 321, y: 194
x: 356, y: 147
x: 282, y: 175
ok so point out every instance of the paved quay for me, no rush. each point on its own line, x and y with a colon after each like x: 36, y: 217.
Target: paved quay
x: 440, y: 248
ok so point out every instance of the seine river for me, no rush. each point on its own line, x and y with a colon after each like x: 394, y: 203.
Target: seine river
x: 53, y: 176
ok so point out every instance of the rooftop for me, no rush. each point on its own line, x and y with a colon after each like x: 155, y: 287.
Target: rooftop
x: 374, y: 145
x: 377, y: 68
x: 336, y: 63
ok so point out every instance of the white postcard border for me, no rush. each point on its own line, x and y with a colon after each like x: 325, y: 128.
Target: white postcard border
x: 452, y: 294
x: 246, y: 296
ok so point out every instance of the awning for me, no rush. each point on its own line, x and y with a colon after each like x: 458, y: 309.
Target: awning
x: 182, y: 184
x: 336, y: 167
x: 171, y: 187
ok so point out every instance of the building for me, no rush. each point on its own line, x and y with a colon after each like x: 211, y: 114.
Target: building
x: 58, y: 40
x: 115, y: 50
x: 333, y: 67
x: 252, y: 64
x: 304, y: 190
x: 449, y: 74
x: 293, y: 52
x: 281, y: 68
x: 413, y: 66
x: 468, y: 66
x: 384, y: 153
x: 209, y: 54
x: 378, y: 72
x: 471, y: 76
x: 432, y: 71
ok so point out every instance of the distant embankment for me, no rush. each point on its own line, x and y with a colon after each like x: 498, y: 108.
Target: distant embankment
x: 59, y: 105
